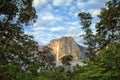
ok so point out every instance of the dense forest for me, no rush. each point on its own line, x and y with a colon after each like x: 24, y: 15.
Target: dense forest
x: 19, y: 56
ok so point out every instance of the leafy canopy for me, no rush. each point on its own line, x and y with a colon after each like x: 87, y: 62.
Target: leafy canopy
x: 16, y: 48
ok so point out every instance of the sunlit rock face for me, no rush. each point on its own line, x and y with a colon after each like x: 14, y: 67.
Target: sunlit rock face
x: 66, y: 46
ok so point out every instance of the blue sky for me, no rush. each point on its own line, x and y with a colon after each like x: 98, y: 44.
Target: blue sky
x: 58, y: 18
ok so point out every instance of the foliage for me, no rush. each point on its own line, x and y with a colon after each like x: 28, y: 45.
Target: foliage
x: 46, y: 59
x: 17, y: 49
x: 15, y: 46
x: 66, y: 60
x: 110, y: 59
x: 108, y: 28
x: 14, y: 72
x: 56, y: 75
x: 105, y: 65
x: 85, y: 21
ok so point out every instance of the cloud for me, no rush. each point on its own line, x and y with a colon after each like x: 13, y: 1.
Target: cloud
x: 47, y: 20
x: 62, y: 2
x: 49, y: 7
x: 51, y: 18
x: 75, y: 33
x: 87, y: 4
x: 37, y: 3
x: 96, y: 2
x: 94, y: 12
x: 73, y: 23
x: 57, y: 2
x: 57, y: 29
x: 93, y: 1
x: 80, y: 3
x: 39, y: 28
x: 57, y: 18
x: 73, y: 29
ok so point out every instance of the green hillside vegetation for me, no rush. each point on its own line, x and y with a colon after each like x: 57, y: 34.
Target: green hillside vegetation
x: 18, y: 60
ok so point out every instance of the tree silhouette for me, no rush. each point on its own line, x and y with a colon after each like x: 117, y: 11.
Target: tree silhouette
x: 16, y: 47
x: 66, y: 60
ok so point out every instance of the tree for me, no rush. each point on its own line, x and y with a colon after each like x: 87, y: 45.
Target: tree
x: 66, y: 60
x: 108, y: 29
x: 14, y: 72
x: 110, y: 61
x: 85, y: 21
x: 13, y: 14
x: 53, y: 75
x: 105, y: 66
x: 16, y: 47
x: 46, y: 59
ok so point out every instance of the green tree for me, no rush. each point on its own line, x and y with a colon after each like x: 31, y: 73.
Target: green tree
x: 13, y: 42
x: 46, y: 59
x: 109, y: 59
x: 66, y: 60
x: 85, y: 21
x: 14, y: 72
x: 105, y: 65
x: 53, y: 75
x: 108, y: 28
x: 16, y: 47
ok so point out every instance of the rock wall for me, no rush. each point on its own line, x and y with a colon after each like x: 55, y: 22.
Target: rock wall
x: 66, y: 46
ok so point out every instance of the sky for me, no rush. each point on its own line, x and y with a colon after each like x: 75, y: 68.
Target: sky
x: 58, y: 18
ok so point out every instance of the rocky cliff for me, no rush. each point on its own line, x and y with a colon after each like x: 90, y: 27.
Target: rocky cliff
x: 67, y: 46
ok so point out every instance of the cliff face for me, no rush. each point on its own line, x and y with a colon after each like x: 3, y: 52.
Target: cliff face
x: 66, y: 46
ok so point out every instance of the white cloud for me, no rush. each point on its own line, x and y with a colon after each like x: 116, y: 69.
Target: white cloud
x: 57, y: 29
x: 94, y: 12
x: 40, y: 28
x: 93, y: 1
x: 51, y: 18
x: 37, y: 3
x: 44, y: 21
x: 81, y: 3
x: 75, y: 34
x: 49, y: 7
x: 96, y: 1
x: 57, y: 18
x: 62, y: 2
x: 89, y: 3
x: 68, y: 2
x: 57, y: 2
x: 73, y: 23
